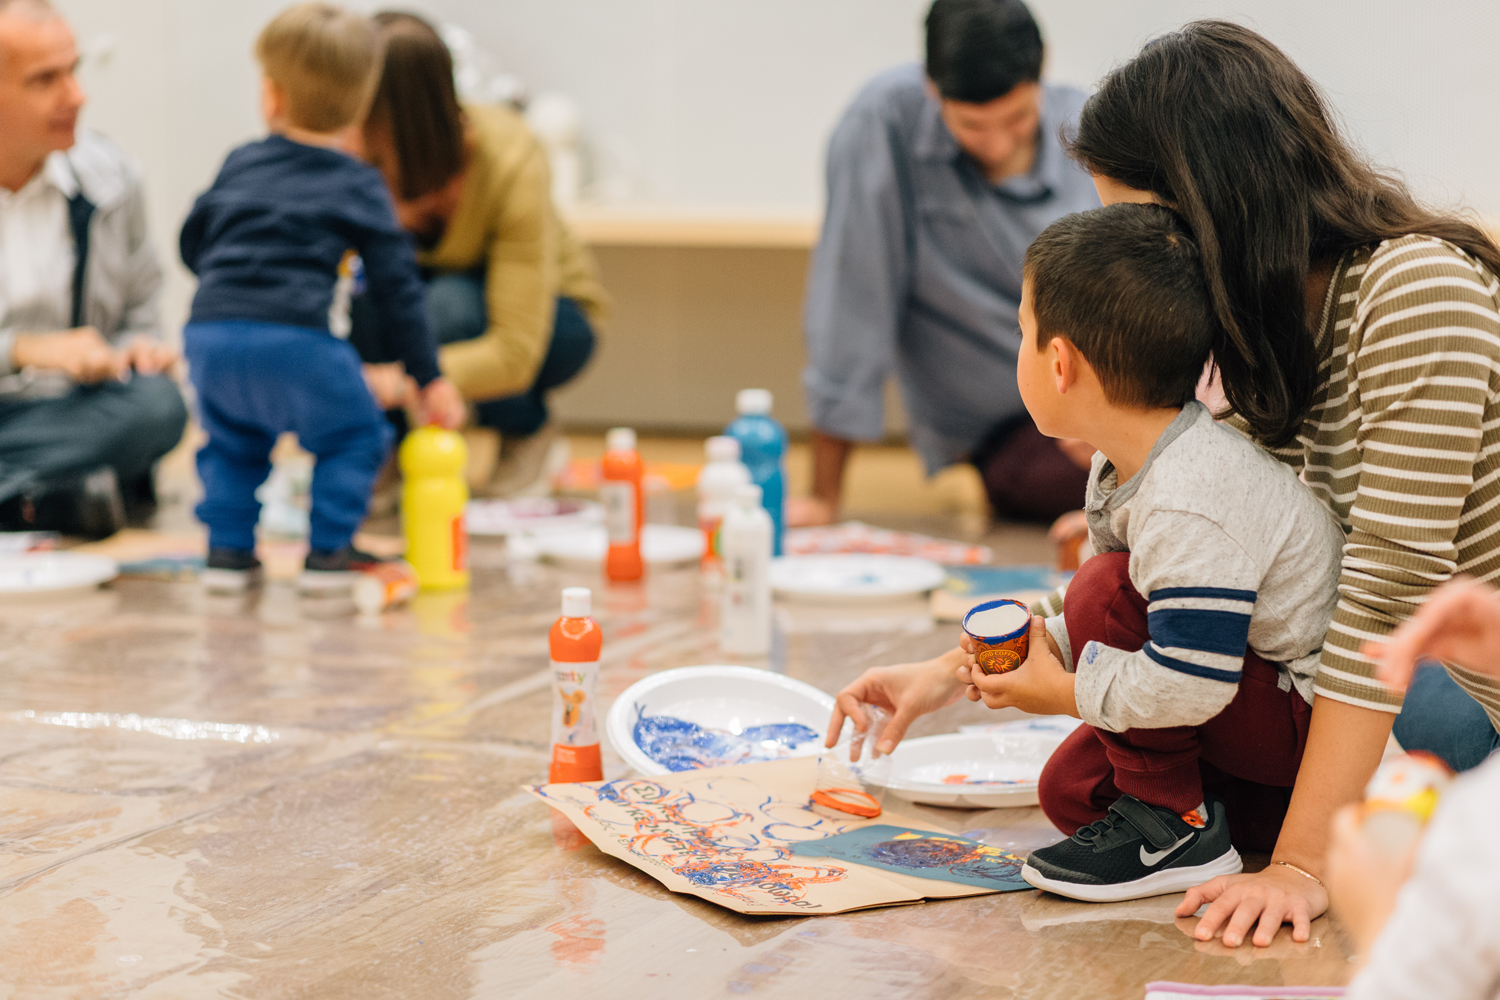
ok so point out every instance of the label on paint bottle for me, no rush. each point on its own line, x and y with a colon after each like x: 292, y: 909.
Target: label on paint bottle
x: 460, y: 532
x: 619, y: 511
x: 575, y: 735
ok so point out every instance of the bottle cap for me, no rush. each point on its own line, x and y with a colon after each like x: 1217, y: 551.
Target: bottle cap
x: 722, y: 449
x: 577, y: 602
x: 753, y: 402
x: 619, y: 439
x: 748, y: 495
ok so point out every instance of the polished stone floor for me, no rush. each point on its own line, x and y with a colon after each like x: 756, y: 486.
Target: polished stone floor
x: 271, y: 798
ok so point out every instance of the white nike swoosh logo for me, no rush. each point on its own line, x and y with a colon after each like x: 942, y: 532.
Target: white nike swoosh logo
x: 1151, y: 858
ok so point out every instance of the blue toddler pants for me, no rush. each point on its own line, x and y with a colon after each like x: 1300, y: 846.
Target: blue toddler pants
x: 256, y: 380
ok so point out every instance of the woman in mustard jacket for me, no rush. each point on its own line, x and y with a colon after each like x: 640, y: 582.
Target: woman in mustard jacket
x: 513, y: 297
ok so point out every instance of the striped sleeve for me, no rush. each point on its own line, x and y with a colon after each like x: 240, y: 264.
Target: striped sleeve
x: 1052, y: 604
x: 1424, y: 356
x: 1200, y: 590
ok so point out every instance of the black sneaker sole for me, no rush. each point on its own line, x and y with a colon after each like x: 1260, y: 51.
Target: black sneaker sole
x: 1168, y: 880
x: 230, y: 581
x: 327, y: 582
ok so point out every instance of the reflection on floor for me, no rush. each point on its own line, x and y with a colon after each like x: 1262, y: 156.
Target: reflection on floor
x: 267, y: 797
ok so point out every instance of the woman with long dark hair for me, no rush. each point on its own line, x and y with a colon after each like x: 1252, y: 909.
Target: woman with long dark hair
x: 1360, y: 343
x: 512, y: 295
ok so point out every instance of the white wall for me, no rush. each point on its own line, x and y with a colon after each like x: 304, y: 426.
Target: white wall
x: 728, y: 102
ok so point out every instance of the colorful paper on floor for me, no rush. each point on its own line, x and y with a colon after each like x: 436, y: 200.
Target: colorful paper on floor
x: 923, y: 853
x: 727, y: 835
x: 856, y: 536
x: 966, y: 586
x: 1188, y: 991
x: 170, y: 566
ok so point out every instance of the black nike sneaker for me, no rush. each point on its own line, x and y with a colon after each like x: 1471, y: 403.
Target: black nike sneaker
x: 1136, y: 850
x: 328, y: 573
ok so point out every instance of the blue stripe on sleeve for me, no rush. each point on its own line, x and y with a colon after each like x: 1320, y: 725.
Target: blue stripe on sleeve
x: 1222, y: 593
x: 1196, y: 670
x: 1224, y: 632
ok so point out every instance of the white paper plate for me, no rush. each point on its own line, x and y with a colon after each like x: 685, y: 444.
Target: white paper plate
x: 661, y: 545
x: 511, y: 517
x: 853, y: 577
x: 972, y: 770
x: 727, y: 705
x: 54, y: 572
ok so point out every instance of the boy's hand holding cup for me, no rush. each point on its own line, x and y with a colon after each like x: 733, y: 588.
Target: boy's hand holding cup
x: 1000, y: 634
x: 1017, y: 668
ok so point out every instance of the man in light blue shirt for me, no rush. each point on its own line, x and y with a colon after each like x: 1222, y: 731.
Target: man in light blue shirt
x: 937, y: 183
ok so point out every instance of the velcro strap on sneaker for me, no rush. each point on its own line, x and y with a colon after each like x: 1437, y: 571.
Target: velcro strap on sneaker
x: 1144, y: 818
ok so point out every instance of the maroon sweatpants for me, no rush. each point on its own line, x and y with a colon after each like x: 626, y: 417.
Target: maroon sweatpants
x: 1248, y: 754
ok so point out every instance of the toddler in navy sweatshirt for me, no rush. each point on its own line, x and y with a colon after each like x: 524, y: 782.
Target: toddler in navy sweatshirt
x: 292, y: 227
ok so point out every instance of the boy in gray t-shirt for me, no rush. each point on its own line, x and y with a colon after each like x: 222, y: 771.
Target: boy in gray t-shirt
x: 1193, y: 635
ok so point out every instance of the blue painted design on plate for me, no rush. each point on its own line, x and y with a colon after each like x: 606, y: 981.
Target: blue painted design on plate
x: 679, y: 745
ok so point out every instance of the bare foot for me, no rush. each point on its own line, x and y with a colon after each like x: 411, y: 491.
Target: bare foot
x: 808, y: 512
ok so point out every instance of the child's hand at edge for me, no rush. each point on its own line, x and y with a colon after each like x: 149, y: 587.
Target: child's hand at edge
x: 1040, y: 685
x: 1362, y: 880
x: 440, y: 403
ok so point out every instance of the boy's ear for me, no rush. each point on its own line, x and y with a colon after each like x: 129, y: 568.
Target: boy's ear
x: 1065, y: 360
x: 272, y: 101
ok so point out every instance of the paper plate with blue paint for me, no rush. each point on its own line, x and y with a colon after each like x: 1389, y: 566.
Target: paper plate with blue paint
x: 54, y: 573
x: 853, y: 577
x: 711, y: 716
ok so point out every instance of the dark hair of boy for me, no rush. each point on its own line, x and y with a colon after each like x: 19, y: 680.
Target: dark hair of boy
x: 978, y: 50
x: 1219, y: 123
x: 1125, y: 285
x: 416, y: 105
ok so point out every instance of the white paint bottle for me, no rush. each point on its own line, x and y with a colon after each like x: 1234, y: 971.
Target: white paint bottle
x: 745, y: 540
x: 723, y: 474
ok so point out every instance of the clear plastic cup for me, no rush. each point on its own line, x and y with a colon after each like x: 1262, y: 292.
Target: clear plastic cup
x: 852, y: 776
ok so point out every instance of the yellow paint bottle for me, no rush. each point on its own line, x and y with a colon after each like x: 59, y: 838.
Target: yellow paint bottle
x: 432, y: 507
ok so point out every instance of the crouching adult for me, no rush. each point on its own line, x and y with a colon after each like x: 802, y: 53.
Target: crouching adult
x: 86, y: 406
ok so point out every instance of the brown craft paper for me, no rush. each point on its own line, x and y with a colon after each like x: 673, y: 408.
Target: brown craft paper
x: 723, y: 834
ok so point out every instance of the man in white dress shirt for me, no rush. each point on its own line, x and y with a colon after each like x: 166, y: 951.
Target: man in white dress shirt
x: 86, y: 406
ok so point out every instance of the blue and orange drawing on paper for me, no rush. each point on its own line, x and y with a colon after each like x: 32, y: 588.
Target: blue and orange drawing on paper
x: 742, y: 853
x: 923, y: 853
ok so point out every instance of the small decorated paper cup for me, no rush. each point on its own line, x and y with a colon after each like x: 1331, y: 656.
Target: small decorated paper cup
x: 1001, y: 634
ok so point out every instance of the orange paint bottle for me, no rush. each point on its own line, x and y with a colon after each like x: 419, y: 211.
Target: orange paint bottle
x: 575, y: 641
x: 620, y: 492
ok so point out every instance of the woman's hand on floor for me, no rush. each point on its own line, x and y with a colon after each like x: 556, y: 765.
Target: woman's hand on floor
x: 1459, y: 622
x: 1264, y: 901
x: 906, y: 691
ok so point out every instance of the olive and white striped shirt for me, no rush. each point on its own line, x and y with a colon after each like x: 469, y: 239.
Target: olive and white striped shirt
x: 1403, y: 444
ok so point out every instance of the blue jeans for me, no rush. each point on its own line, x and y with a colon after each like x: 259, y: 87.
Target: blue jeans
x: 456, y: 309
x: 127, y: 425
x: 256, y: 380
x: 1441, y: 718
